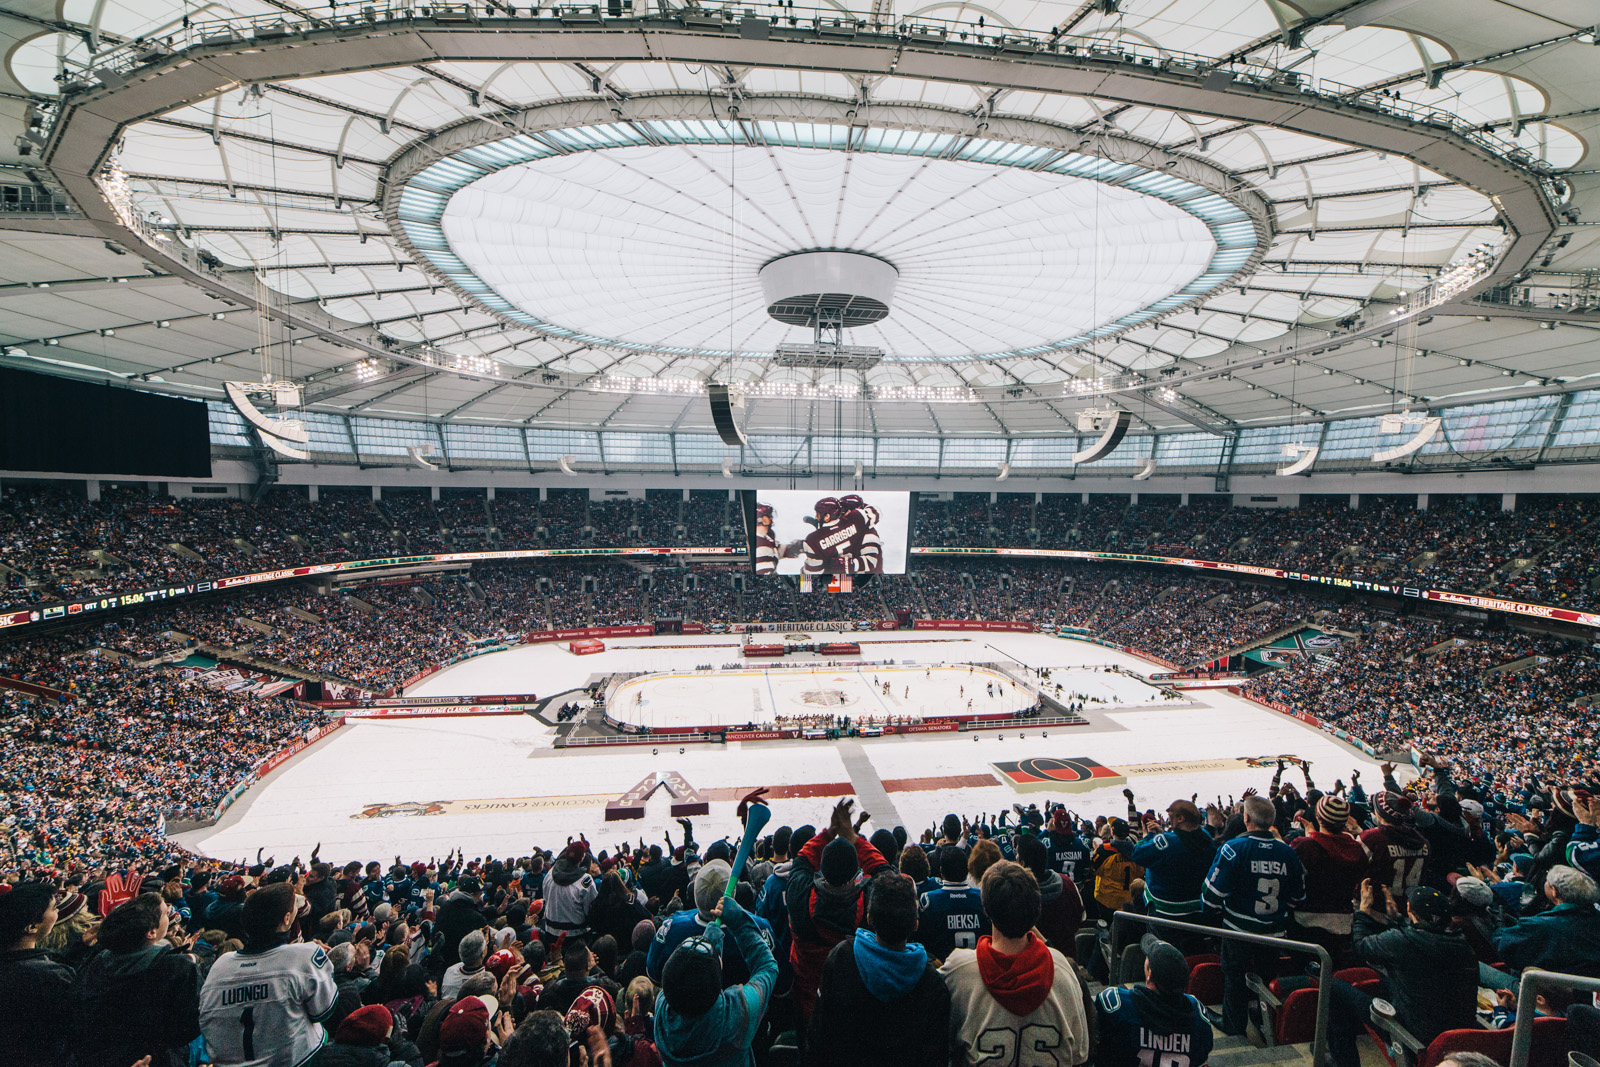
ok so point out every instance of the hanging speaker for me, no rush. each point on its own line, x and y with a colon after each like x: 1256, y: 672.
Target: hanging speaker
x: 1113, y: 426
x: 723, y: 402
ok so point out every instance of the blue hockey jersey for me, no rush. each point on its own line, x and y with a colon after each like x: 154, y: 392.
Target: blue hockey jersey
x: 1070, y: 855
x: 681, y: 926
x: 1254, y: 883
x: 952, y: 917
x: 1142, y: 1028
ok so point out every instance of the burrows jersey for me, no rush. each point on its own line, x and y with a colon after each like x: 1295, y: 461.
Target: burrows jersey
x: 849, y: 546
x: 263, y: 1009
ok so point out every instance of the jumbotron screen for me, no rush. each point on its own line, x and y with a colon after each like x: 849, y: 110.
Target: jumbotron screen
x: 815, y: 532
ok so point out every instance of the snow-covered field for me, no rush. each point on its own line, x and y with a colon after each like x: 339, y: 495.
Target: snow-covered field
x: 544, y: 794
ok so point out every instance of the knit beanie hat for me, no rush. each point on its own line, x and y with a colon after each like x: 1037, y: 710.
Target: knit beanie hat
x: 1332, y: 812
x: 644, y: 931
x: 884, y: 842
x: 839, y: 864
x: 466, y: 1024
x: 692, y: 978
x: 1394, y: 807
x: 593, y: 1007
x: 368, y: 1027
x: 709, y: 885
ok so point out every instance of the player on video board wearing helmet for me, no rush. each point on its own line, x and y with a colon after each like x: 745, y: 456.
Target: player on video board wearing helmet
x: 845, y: 540
x: 766, y: 546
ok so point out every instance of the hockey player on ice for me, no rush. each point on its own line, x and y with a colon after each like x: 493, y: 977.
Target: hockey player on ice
x: 845, y: 540
x: 766, y: 546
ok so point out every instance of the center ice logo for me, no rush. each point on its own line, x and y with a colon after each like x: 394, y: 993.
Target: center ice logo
x: 827, y: 698
x: 1074, y: 774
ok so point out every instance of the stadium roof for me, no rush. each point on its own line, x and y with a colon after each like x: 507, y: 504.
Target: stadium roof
x: 1224, y: 215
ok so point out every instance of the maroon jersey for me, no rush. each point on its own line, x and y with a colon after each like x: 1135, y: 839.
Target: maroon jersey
x: 1398, y: 853
x: 849, y: 546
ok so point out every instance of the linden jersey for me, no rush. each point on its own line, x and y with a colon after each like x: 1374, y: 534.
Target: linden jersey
x: 263, y: 1009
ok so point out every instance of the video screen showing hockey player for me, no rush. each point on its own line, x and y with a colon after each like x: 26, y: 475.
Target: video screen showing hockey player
x: 814, y: 532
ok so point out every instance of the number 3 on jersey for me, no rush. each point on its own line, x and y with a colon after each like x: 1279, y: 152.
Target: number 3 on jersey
x: 1267, y: 895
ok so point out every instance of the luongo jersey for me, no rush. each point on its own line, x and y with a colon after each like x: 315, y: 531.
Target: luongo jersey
x: 849, y: 546
x: 263, y: 1009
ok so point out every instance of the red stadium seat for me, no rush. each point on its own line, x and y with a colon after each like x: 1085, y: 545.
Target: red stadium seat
x: 1549, y: 1044
x: 1205, y: 977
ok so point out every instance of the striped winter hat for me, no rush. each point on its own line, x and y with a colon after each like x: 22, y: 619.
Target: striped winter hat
x: 1333, y: 811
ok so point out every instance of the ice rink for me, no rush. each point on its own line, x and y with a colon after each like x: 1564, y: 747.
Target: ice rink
x: 788, y: 694
x: 498, y: 786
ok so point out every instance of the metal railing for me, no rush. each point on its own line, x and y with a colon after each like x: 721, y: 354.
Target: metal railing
x: 1534, y: 982
x: 1319, y: 1041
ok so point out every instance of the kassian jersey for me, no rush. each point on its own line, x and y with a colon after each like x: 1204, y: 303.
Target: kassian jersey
x: 849, y: 546
x: 264, y: 1009
x: 1069, y: 855
x: 952, y: 918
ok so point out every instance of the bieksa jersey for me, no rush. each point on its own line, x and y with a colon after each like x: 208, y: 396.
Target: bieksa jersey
x: 951, y: 917
x: 1180, y: 1038
x: 850, y: 546
x: 265, y: 1009
x: 1255, y: 881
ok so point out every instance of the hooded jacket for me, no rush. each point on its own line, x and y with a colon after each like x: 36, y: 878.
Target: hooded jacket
x: 1060, y: 911
x: 569, y: 890
x: 879, y: 1007
x: 1032, y: 996
x: 1133, y: 1021
x: 1565, y: 938
x: 135, y: 1004
x: 36, y: 992
x: 723, y: 1035
x: 822, y: 915
x: 458, y: 916
x: 1432, y: 973
x: 1335, y: 865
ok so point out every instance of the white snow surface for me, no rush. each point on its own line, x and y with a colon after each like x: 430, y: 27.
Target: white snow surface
x: 313, y: 798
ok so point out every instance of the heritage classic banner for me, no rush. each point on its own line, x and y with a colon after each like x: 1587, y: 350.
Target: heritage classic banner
x: 65, y: 609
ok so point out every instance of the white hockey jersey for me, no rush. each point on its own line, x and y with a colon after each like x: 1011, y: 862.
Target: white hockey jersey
x: 265, y: 1009
x: 985, y: 1034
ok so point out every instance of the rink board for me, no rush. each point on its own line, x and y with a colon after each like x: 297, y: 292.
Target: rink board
x: 497, y: 785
